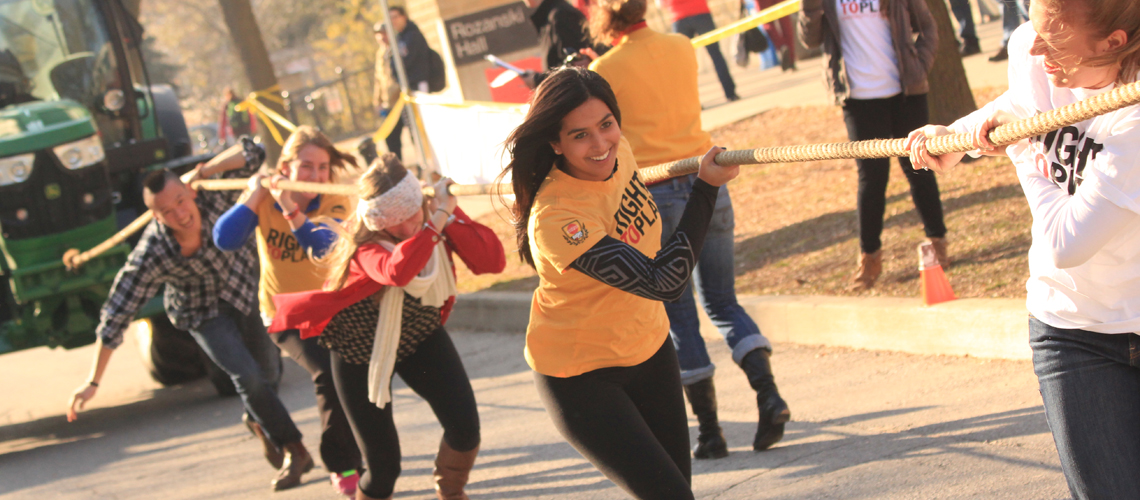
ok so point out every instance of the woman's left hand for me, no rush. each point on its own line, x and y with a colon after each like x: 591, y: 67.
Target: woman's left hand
x: 280, y: 195
x: 921, y: 159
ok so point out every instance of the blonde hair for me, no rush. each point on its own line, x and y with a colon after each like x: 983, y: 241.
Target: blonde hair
x: 1102, y: 18
x: 610, y: 18
x: 307, y: 135
x: 382, y: 175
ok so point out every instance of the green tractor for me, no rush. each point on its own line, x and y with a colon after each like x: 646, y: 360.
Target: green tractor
x: 80, y: 126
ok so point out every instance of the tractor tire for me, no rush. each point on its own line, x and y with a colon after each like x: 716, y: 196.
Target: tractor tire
x: 168, y: 114
x: 170, y: 355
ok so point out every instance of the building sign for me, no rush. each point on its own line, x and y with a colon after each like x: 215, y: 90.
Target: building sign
x: 500, y: 30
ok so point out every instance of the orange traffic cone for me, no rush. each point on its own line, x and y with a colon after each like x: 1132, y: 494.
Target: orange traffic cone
x: 935, y: 287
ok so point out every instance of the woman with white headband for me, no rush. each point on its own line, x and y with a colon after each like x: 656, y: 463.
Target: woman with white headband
x: 390, y: 289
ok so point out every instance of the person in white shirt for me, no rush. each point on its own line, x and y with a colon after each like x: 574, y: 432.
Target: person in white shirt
x: 1083, y: 187
x: 877, y: 54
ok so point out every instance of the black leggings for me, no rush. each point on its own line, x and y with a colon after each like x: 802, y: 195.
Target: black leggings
x: 436, y: 373
x: 338, y: 447
x: 629, y: 422
x: 890, y: 118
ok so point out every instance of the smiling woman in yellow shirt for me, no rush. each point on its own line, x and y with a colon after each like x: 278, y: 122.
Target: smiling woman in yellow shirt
x: 646, y: 69
x: 597, y: 338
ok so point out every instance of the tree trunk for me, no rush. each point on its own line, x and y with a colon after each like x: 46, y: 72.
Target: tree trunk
x: 133, y: 7
x: 246, y: 36
x: 950, y: 97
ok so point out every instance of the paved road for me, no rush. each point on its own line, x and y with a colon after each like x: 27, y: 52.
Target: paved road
x: 865, y: 425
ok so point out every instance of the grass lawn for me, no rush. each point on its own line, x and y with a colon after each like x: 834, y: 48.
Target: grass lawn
x: 797, y: 233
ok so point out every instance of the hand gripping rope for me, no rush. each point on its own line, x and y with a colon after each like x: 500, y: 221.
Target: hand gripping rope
x: 1118, y: 98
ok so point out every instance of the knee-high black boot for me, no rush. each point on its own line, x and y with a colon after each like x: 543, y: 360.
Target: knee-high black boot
x: 774, y: 412
x: 710, y: 439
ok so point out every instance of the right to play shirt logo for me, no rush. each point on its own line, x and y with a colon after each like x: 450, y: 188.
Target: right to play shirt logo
x: 1061, y: 156
x: 574, y: 232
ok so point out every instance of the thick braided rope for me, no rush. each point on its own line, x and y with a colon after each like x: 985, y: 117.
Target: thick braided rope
x: 1120, y: 97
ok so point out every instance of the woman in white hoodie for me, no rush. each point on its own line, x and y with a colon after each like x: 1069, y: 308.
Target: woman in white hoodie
x: 1083, y: 187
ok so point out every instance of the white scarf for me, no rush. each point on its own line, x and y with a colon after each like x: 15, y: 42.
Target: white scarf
x: 433, y: 286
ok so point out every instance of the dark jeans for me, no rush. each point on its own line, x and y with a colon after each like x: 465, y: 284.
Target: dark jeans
x: 715, y: 279
x: 1090, y: 383
x: 629, y: 422
x: 965, y: 17
x: 703, y: 23
x: 338, y: 446
x: 1012, y: 15
x: 890, y: 118
x: 436, y: 373
x: 395, y: 140
x: 239, y: 345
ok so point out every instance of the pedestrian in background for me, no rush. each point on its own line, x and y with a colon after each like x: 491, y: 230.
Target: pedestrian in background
x: 233, y: 124
x: 415, y: 54
x: 782, y: 33
x: 877, y: 54
x: 967, y: 32
x: 391, y: 287
x: 692, y: 18
x: 1013, y: 14
x: 562, y: 35
x: 287, y: 241
x: 1083, y: 188
x: 644, y: 69
x: 386, y: 89
x: 598, y: 334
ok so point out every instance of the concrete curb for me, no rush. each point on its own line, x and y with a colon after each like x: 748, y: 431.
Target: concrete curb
x: 984, y: 328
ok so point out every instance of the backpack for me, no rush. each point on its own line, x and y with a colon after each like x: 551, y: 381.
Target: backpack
x: 437, y: 73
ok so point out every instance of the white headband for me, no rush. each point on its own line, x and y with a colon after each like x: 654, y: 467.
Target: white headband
x: 392, y: 207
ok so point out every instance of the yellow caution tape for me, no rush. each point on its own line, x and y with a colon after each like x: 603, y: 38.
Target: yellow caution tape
x: 778, y: 11
x: 267, y: 116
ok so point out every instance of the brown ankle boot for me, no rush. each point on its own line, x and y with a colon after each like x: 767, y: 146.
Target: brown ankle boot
x: 870, y: 267
x: 941, y: 252
x: 272, y: 453
x: 451, y: 471
x: 297, y: 462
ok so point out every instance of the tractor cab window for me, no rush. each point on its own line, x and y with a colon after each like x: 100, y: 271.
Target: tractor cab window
x: 61, y: 49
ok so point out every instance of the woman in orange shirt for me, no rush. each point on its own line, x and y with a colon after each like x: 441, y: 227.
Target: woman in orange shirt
x: 598, y: 334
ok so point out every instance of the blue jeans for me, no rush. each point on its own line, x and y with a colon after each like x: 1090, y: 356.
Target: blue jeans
x: 239, y: 345
x: 1012, y: 15
x: 965, y: 17
x: 715, y: 278
x: 1090, y: 383
x: 703, y: 23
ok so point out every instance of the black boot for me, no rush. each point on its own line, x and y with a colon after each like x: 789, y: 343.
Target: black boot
x: 970, y: 47
x: 774, y: 412
x: 710, y: 439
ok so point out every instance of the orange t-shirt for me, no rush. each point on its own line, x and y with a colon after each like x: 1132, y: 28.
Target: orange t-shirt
x: 285, y: 266
x: 577, y: 323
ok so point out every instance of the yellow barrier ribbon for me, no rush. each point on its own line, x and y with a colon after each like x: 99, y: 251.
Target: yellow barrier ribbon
x: 389, y: 122
x: 266, y: 115
x: 780, y: 10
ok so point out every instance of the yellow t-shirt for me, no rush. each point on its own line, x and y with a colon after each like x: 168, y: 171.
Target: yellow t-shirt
x: 285, y: 266
x: 654, y: 76
x: 577, y: 323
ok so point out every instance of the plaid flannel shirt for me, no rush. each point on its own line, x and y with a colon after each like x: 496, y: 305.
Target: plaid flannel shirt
x: 194, y: 284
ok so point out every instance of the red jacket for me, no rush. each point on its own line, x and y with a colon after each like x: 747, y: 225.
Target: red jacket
x: 680, y: 9
x: 374, y: 267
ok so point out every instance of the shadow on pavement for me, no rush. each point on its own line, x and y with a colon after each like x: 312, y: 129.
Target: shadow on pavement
x: 831, y: 448
x: 110, y: 434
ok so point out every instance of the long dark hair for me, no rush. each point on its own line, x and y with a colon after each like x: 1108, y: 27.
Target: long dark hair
x: 529, y: 145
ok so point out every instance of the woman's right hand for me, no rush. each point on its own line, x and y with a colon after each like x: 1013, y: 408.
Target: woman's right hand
x: 921, y: 159
x: 79, y: 399
x: 714, y: 173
